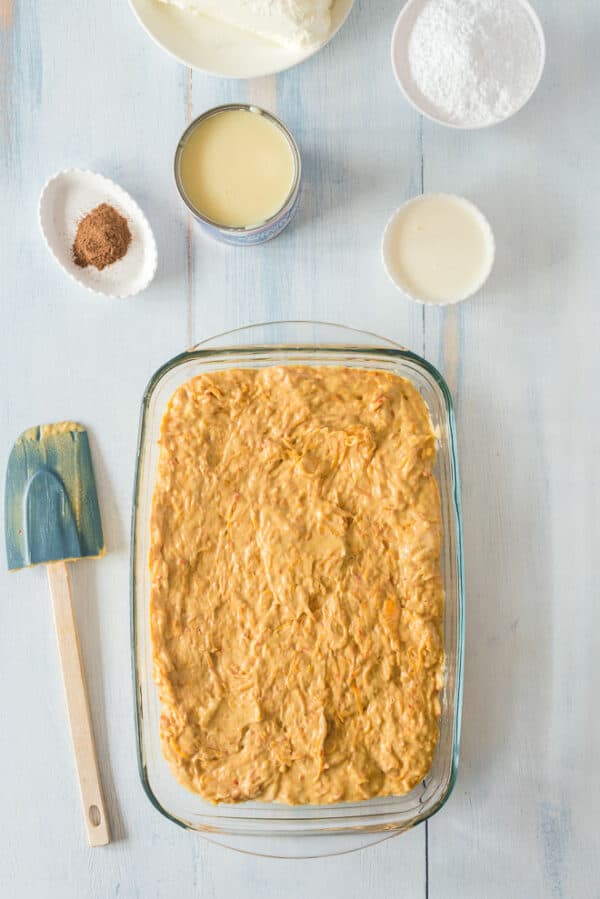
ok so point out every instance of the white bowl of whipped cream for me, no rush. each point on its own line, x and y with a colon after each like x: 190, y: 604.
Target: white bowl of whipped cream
x: 438, y: 249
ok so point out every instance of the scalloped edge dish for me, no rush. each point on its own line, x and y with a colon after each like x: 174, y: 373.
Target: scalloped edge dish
x: 69, y: 195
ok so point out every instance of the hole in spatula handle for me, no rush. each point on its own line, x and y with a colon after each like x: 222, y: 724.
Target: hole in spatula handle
x: 94, y: 815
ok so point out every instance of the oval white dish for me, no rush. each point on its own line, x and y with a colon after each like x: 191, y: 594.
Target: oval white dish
x: 65, y: 199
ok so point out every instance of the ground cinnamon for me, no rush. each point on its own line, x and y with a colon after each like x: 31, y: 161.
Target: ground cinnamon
x: 103, y: 237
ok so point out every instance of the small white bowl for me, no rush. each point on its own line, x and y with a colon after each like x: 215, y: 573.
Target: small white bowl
x: 486, y: 231
x: 65, y: 199
x: 400, y: 64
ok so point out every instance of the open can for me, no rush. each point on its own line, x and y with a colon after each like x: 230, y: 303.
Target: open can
x: 255, y: 234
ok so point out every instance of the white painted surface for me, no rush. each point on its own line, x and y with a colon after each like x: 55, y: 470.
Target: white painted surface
x: 88, y: 89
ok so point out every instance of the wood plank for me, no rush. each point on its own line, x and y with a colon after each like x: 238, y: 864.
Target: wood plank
x: 523, y: 364
x: 86, y: 89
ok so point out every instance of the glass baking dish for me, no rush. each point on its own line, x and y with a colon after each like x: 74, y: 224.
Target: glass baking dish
x: 297, y: 343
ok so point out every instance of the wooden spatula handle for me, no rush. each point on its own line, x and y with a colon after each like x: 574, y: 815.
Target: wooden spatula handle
x: 77, y: 705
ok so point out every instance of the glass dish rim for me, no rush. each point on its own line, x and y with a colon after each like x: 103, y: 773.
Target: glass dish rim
x: 347, y: 824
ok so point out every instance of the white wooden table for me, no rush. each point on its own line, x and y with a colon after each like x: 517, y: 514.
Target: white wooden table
x: 80, y: 85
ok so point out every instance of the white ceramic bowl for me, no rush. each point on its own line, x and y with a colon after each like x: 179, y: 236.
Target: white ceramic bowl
x: 218, y: 49
x: 400, y: 64
x: 65, y: 199
x: 386, y: 251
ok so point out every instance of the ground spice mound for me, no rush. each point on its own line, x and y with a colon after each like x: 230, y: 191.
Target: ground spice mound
x: 103, y: 237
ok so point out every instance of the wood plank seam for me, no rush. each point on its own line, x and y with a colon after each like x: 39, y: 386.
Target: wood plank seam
x: 423, y: 342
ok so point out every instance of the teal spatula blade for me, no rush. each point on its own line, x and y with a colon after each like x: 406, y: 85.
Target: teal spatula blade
x: 50, y: 530
x: 51, y: 506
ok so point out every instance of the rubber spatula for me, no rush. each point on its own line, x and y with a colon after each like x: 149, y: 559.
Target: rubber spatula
x: 52, y: 518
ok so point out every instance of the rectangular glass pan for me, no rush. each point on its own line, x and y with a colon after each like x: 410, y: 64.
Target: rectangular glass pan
x: 256, y: 818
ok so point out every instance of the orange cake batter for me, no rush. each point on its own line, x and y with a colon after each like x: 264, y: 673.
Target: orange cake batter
x: 297, y: 602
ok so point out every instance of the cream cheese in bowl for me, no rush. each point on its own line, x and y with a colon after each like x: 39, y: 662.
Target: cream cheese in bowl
x: 301, y: 23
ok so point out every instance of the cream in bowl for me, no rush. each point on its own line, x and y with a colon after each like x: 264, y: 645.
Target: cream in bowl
x: 238, y: 169
x: 438, y: 248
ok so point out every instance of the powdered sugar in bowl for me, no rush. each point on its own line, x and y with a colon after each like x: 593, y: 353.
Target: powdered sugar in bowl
x: 468, y: 63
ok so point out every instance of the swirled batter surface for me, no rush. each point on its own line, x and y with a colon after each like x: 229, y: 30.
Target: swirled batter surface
x: 297, y: 602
